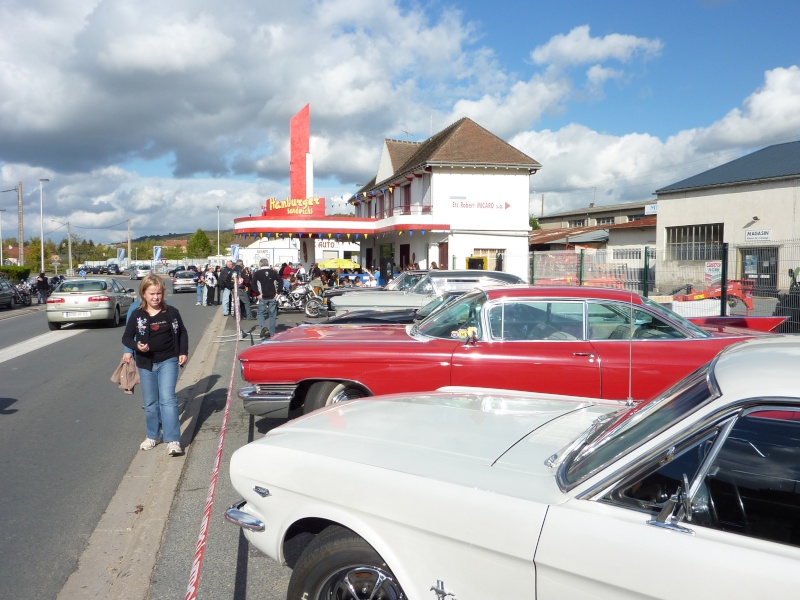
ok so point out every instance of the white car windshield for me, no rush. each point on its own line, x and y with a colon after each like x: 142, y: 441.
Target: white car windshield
x: 630, y: 428
x: 458, y: 321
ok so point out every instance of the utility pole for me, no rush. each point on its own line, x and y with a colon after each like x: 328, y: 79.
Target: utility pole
x: 129, y: 243
x: 69, y: 249
x: 18, y: 189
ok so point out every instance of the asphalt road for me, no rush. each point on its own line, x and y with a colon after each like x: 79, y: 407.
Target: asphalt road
x: 67, y: 436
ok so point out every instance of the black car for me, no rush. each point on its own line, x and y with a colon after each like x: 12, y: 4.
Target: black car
x: 7, y: 294
x: 114, y: 270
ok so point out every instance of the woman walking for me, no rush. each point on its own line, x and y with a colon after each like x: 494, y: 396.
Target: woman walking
x: 155, y: 332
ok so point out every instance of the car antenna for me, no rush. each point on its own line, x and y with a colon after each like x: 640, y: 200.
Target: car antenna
x: 629, y: 402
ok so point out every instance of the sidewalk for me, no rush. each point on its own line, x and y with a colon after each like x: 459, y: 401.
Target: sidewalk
x: 144, y: 543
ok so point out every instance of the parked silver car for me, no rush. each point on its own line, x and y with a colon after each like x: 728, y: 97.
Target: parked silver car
x: 78, y: 300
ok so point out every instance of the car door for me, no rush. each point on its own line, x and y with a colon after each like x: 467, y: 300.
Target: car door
x: 641, y: 354
x: 532, y: 345
x: 740, y: 539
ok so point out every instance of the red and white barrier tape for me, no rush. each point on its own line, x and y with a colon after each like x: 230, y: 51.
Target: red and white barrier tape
x: 199, y: 551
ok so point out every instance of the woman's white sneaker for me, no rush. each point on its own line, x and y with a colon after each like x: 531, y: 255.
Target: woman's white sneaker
x: 149, y: 444
x: 174, y: 448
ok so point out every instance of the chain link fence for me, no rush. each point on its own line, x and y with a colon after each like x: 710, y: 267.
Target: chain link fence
x: 752, y: 280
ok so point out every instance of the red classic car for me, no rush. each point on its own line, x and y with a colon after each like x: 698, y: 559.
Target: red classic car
x: 580, y: 341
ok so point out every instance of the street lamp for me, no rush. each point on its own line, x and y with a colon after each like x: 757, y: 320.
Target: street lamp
x: 2, y: 210
x: 217, y: 231
x: 41, y: 219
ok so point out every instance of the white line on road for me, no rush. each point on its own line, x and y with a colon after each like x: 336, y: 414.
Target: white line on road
x: 40, y: 341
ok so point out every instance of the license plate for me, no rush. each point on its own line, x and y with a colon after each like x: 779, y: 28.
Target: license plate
x: 76, y: 314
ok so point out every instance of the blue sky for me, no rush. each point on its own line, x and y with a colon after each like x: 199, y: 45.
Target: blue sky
x: 160, y: 112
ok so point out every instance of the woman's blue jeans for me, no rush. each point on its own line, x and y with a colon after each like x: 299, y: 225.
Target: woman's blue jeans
x: 201, y: 293
x: 160, y: 400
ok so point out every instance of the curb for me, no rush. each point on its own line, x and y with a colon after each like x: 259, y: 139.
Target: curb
x: 121, y: 553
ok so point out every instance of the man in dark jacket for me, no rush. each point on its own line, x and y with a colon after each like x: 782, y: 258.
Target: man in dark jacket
x: 226, y: 283
x: 42, y: 288
x: 265, y: 283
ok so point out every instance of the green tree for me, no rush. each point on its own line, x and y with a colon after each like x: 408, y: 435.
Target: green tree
x: 199, y: 246
x: 534, y: 222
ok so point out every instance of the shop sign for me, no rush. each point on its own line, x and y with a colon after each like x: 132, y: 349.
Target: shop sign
x: 758, y: 235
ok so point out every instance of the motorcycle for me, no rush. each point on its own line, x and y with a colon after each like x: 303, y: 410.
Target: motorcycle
x: 297, y: 298
x: 22, y: 295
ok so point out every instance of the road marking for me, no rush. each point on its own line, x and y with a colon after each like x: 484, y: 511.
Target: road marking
x: 40, y: 341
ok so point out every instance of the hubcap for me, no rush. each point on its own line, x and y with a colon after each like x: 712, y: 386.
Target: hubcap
x: 348, y: 393
x: 361, y: 583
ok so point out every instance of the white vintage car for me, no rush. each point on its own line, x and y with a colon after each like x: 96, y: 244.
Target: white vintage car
x: 431, y: 285
x: 486, y: 495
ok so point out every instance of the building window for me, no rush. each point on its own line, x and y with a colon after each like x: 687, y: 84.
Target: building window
x: 695, y: 242
x: 492, y: 255
x: 605, y: 220
x: 406, y: 200
x: 577, y: 223
x: 632, y: 218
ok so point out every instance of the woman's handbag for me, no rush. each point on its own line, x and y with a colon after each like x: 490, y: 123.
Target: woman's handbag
x: 126, y: 375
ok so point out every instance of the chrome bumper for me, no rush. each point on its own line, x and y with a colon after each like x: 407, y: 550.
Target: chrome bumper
x: 237, y: 516
x: 267, y: 400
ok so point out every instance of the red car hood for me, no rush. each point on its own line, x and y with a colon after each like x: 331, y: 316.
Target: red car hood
x: 342, y: 333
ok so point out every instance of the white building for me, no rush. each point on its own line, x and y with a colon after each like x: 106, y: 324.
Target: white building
x: 751, y: 203
x: 454, y: 199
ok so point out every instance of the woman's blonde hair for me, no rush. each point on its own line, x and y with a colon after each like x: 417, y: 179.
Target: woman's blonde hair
x: 150, y: 281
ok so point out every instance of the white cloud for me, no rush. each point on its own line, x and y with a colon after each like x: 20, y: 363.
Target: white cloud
x: 207, y: 90
x: 167, y: 49
x: 583, y: 166
x: 579, y: 47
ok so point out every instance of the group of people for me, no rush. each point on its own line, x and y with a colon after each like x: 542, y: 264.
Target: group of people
x: 209, y: 291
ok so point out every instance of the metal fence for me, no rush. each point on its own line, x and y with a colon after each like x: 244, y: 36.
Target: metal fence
x: 752, y: 280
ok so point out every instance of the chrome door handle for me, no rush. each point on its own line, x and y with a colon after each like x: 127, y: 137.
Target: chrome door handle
x: 589, y: 354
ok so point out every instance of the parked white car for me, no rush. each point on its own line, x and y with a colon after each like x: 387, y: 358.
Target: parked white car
x: 433, y: 284
x: 487, y: 495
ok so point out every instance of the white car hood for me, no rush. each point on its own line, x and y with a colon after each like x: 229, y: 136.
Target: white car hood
x: 483, y: 440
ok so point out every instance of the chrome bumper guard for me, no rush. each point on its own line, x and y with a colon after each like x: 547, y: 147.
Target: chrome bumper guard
x: 266, y: 399
x: 237, y: 516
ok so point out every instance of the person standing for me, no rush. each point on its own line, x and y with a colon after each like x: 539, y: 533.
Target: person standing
x: 226, y: 282
x: 266, y: 282
x: 42, y: 288
x: 218, y: 299
x: 200, y: 279
x: 243, y: 284
x: 211, y: 286
x: 156, y: 333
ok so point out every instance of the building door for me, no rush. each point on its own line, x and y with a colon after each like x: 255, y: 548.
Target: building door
x: 760, y: 265
x: 443, y: 252
x: 405, y: 256
x: 387, y: 262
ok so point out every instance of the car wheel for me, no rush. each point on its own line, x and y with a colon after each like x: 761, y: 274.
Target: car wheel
x: 339, y: 564
x: 324, y: 393
x: 115, y: 320
x: 53, y: 326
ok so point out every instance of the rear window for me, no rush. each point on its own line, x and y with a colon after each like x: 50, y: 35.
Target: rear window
x: 82, y: 286
x: 185, y: 275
